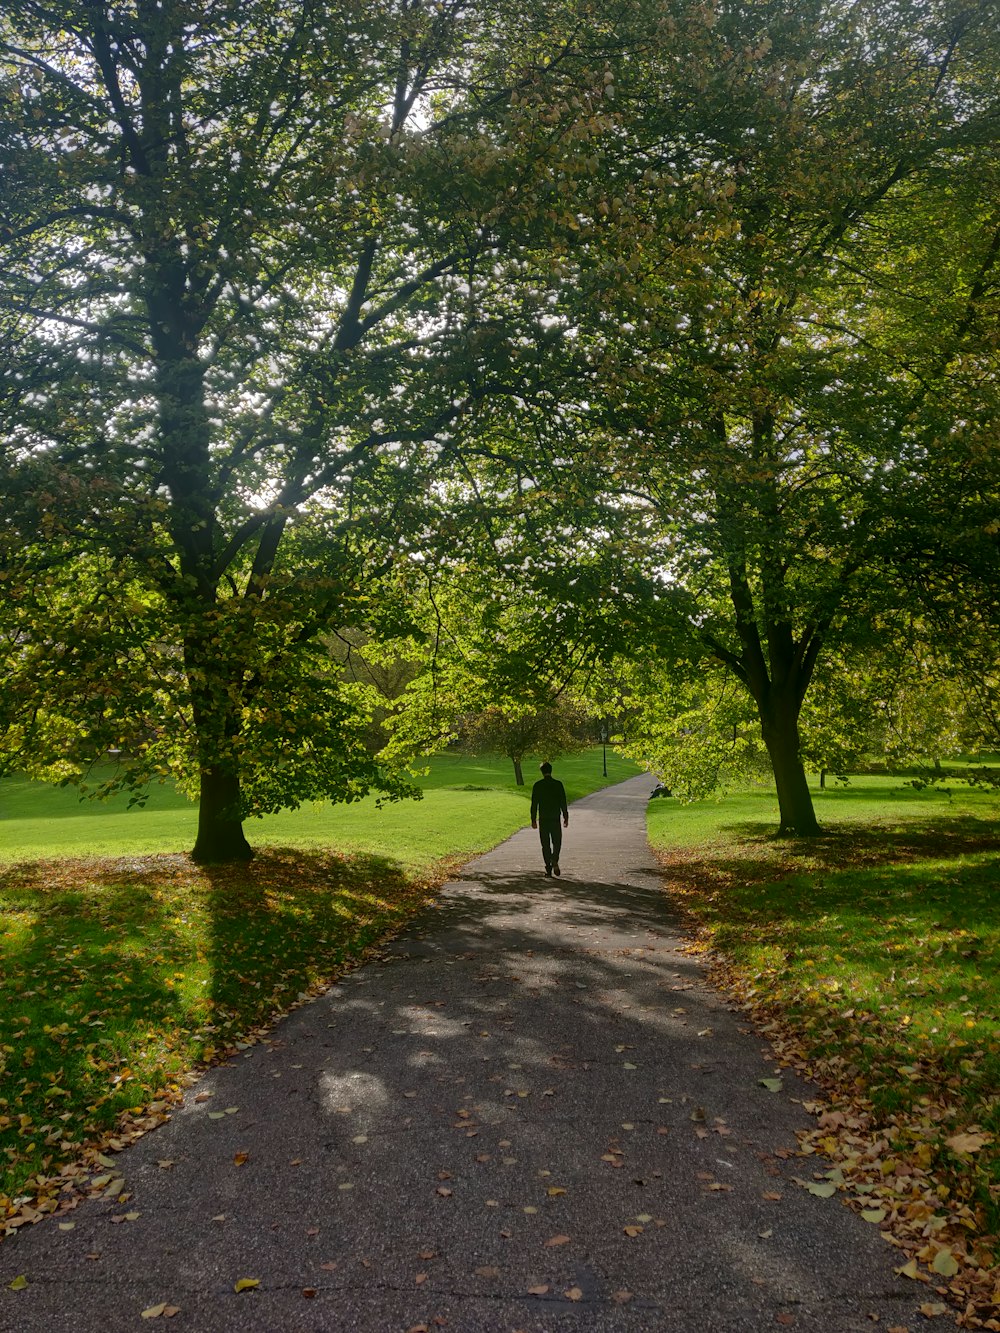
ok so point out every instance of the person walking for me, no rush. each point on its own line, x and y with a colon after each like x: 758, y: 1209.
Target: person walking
x: 548, y: 803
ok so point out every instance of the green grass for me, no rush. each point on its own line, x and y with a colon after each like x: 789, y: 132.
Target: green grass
x: 120, y: 974
x: 117, y: 979
x: 879, y: 944
x: 40, y: 821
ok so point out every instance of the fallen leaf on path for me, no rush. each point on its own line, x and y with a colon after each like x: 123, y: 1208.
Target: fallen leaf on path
x: 444, y: 1191
x: 772, y: 1084
x: 240, y: 1158
x: 309, y: 1292
x: 538, y: 1291
x: 19, y: 1283
x: 632, y: 1230
x: 246, y: 1284
x: 621, y: 1297
x: 573, y: 1294
x: 910, y: 1270
x: 420, y: 1278
x: 823, y: 1189
x: 557, y: 1240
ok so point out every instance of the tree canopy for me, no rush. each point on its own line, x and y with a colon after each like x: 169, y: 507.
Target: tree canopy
x: 677, y: 326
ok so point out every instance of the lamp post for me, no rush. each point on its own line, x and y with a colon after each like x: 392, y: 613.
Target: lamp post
x: 604, y: 748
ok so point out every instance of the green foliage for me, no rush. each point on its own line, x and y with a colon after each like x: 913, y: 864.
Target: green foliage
x: 783, y: 304
x: 514, y: 732
x: 245, y: 252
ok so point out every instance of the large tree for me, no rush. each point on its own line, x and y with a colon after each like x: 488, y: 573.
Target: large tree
x: 250, y: 245
x: 800, y: 251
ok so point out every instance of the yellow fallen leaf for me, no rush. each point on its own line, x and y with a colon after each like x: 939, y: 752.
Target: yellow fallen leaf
x: 19, y: 1283
x: 873, y: 1214
x: 573, y: 1294
x: 554, y: 1191
x: 153, y: 1311
x: 968, y: 1142
x: 246, y: 1284
x: 931, y: 1309
x: 632, y: 1231
x: 911, y: 1270
x: 945, y: 1263
x: 537, y: 1291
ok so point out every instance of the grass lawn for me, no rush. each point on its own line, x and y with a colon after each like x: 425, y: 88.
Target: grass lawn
x: 124, y: 964
x: 469, y: 805
x: 875, y: 954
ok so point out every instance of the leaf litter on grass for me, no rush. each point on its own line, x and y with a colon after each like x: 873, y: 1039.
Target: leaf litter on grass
x: 869, y: 959
x: 120, y: 977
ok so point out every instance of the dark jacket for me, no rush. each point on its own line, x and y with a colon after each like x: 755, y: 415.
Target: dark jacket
x: 548, y: 800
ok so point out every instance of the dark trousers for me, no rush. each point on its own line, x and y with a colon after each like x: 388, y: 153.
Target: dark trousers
x: 551, y: 837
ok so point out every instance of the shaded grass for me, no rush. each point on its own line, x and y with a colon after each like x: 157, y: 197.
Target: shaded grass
x: 878, y: 944
x: 120, y: 977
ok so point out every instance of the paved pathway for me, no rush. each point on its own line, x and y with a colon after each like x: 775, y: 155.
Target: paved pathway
x: 532, y: 1116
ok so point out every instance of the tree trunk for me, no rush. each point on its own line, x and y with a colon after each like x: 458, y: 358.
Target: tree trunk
x: 822, y: 779
x: 780, y: 729
x: 220, y: 828
x: 518, y: 775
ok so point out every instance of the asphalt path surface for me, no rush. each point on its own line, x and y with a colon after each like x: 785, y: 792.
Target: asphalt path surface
x: 533, y: 1114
